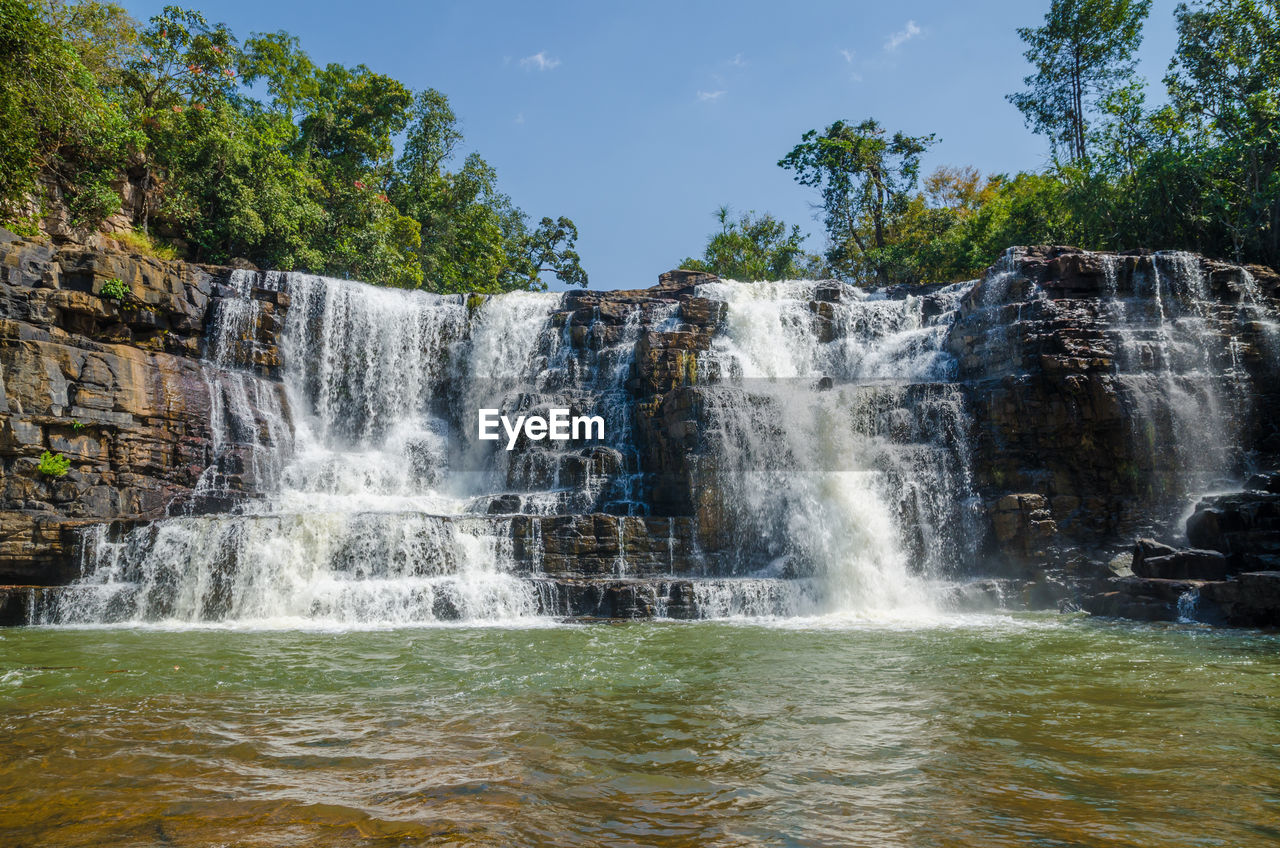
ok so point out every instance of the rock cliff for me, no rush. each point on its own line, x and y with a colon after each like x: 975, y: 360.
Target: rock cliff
x: 118, y: 385
x: 1100, y: 409
x: 1101, y: 395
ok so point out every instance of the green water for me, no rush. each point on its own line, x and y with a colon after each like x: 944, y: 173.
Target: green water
x: 973, y: 732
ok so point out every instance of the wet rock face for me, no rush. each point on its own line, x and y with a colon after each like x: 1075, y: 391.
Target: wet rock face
x: 675, y: 327
x: 114, y: 383
x: 1105, y: 390
x: 1234, y: 580
x: 1243, y: 527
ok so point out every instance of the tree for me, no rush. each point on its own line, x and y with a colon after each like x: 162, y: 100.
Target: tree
x: 549, y: 249
x: 1225, y: 83
x: 1082, y: 54
x: 756, y: 247
x: 55, y: 122
x: 182, y: 62
x: 473, y: 237
x: 865, y: 179
x: 938, y: 240
x: 302, y: 177
x: 102, y: 34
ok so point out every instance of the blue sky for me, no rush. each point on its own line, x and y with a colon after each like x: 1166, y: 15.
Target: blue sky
x: 638, y: 120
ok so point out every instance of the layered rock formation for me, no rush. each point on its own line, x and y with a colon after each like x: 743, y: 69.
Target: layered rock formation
x: 1105, y: 397
x: 1072, y: 400
x: 118, y: 385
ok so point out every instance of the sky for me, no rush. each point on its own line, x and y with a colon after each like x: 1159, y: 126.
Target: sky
x: 639, y: 120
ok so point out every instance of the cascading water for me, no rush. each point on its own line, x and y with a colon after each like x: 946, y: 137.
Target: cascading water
x: 1179, y: 364
x: 250, y: 428
x: 824, y: 434
x: 841, y: 449
x: 363, y: 523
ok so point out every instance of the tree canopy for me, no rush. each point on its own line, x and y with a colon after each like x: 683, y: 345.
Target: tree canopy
x: 1201, y: 173
x: 756, y: 247
x: 865, y: 177
x: 249, y: 149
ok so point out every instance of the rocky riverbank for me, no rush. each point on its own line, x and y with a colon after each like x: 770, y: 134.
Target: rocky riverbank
x: 1230, y: 575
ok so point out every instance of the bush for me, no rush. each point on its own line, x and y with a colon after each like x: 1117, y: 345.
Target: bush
x: 115, y: 289
x: 53, y: 465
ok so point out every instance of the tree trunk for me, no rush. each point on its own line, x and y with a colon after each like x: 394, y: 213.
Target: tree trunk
x: 1077, y: 119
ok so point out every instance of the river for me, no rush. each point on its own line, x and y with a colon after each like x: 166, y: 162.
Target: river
x: 1032, y: 729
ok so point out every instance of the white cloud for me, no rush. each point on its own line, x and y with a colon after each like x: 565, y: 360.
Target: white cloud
x: 520, y: 118
x: 539, y: 61
x: 898, y: 39
x: 848, y: 55
x: 708, y: 96
x: 737, y: 61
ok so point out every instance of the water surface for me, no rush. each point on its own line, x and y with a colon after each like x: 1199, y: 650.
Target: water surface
x: 973, y: 731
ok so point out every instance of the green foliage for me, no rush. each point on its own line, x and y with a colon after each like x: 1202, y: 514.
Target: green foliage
x: 756, y: 248
x: 77, y: 426
x: 306, y: 178
x: 1201, y: 173
x: 865, y: 178
x: 53, y: 465
x: 473, y: 237
x: 56, y: 122
x: 1083, y: 56
x: 115, y: 289
x: 139, y: 242
x: 1225, y: 86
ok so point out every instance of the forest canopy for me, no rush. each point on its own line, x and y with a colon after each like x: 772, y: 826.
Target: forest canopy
x: 214, y: 147
x: 227, y: 148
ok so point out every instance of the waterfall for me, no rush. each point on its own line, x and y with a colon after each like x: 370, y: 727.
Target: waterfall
x: 1180, y: 366
x: 840, y: 446
x: 822, y: 431
x: 251, y: 433
x: 361, y: 520
x: 834, y: 436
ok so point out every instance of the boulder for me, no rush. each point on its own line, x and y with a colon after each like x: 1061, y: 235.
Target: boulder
x: 1190, y: 564
x: 1250, y: 600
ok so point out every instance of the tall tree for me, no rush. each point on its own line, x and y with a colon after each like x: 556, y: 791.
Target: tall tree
x: 1225, y: 83
x: 866, y: 178
x: 1082, y: 54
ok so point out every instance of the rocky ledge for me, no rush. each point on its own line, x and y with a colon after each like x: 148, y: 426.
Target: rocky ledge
x: 1231, y: 575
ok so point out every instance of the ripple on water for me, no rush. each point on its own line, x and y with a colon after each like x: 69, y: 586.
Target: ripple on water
x: 964, y: 730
